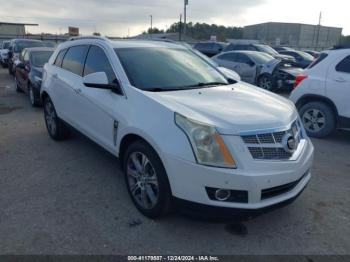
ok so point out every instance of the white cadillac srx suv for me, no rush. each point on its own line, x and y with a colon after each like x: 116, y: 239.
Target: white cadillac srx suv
x: 182, y: 131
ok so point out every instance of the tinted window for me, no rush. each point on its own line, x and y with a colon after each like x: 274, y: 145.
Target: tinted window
x: 266, y: 49
x: 242, y: 58
x: 344, y: 66
x: 40, y: 58
x: 228, y: 57
x: 261, y: 58
x: 59, y: 58
x: 319, y: 60
x: 97, y: 61
x: 158, y: 69
x: 20, y: 45
x: 74, y: 59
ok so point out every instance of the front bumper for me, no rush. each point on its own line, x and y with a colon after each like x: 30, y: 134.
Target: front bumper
x: 189, y: 180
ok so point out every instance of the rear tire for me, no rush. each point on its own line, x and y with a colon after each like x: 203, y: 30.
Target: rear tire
x: 318, y: 119
x: 56, y: 128
x: 18, y: 88
x: 265, y: 82
x: 33, y: 98
x: 146, y: 180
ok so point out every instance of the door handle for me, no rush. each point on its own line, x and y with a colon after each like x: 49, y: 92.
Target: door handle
x: 78, y: 90
x: 55, y: 76
x: 340, y: 80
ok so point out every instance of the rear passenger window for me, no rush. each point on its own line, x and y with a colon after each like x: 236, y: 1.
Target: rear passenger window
x: 344, y: 66
x: 97, y: 61
x: 322, y: 57
x: 59, y: 58
x: 228, y: 57
x: 74, y: 59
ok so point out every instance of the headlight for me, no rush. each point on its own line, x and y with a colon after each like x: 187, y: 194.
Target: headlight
x: 208, y: 146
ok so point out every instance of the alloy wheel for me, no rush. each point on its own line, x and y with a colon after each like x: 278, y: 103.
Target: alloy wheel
x: 314, y: 120
x: 265, y: 83
x: 142, y: 180
x: 50, y: 118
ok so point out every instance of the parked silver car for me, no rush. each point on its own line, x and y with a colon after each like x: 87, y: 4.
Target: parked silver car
x: 259, y: 68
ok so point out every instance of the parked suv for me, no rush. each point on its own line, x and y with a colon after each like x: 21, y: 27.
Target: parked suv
x: 15, y: 49
x: 322, y: 93
x: 181, y: 131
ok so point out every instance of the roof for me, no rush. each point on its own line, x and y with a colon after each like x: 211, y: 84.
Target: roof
x: 38, y: 49
x: 8, y: 23
x: 24, y: 40
x: 126, y: 43
x: 298, y: 24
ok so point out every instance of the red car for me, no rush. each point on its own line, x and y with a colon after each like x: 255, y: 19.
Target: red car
x: 28, y: 71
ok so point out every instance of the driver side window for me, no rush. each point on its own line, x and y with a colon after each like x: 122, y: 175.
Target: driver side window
x: 97, y: 61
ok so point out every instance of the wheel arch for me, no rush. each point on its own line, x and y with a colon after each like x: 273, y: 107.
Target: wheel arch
x: 43, y: 96
x: 129, y: 138
x: 317, y: 98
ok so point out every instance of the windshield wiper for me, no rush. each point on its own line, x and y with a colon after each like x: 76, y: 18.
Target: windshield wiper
x: 200, y: 85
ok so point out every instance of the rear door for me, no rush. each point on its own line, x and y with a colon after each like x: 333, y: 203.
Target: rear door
x: 338, y: 85
x: 246, y: 68
x: 227, y: 60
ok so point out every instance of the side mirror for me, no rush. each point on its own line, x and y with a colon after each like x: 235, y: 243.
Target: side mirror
x: 100, y: 80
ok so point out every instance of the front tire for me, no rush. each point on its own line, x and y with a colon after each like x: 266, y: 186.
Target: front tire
x: 55, y: 126
x: 318, y: 118
x: 146, y: 180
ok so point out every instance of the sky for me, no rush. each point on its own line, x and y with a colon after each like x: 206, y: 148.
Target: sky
x: 132, y: 17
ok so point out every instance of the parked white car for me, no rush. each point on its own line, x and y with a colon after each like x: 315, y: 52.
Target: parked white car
x: 322, y: 93
x: 180, y: 130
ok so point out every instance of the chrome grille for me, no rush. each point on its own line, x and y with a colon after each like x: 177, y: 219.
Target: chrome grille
x: 268, y: 146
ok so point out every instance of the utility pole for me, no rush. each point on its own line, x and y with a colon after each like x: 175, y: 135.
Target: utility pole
x: 180, y: 27
x: 185, y: 15
x: 318, y: 30
x: 151, y: 25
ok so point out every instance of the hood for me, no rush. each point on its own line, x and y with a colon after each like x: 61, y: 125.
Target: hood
x: 231, y: 109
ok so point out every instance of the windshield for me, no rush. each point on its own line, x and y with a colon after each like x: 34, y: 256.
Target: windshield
x: 267, y: 49
x: 6, y: 45
x: 39, y: 59
x: 165, y: 69
x: 19, y: 46
x: 261, y: 58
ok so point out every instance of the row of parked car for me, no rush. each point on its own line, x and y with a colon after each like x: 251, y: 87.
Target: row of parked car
x: 25, y: 60
x: 259, y: 64
x: 186, y: 130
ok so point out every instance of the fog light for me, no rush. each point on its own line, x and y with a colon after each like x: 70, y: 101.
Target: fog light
x: 222, y: 194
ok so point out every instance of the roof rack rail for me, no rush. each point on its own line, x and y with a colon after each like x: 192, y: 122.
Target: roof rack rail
x: 87, y: 37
